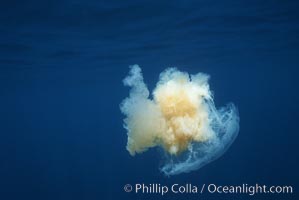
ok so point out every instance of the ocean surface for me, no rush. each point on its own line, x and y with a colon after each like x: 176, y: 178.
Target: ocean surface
x: 61, y: 69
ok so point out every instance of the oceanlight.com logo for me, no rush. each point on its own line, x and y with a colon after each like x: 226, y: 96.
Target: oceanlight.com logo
x: 156, y: 188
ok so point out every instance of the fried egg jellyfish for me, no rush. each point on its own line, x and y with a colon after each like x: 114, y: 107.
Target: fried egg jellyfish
x: 181, y: 118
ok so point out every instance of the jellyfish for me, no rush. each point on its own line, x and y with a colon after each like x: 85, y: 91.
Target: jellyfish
x: 179, y: 117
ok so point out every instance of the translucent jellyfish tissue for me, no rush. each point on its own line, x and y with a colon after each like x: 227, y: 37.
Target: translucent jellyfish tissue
x: 181, y: 118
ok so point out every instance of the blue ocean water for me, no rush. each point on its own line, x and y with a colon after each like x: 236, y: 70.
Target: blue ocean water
x: 61, y: 70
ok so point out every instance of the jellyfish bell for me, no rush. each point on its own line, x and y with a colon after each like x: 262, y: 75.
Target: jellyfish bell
x: 181, y: 118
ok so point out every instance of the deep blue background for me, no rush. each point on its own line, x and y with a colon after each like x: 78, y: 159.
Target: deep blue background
x: 61, y: 70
